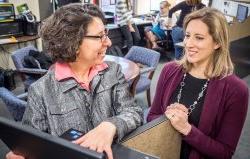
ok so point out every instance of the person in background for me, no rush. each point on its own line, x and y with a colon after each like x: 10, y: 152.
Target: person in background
x: 125, y: 22
x: 199, y: 94
x: 157, y: 32
x: 81, y: 91
x: 185, y: 8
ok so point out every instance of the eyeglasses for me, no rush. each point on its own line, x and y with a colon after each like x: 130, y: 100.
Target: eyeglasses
x: 102, y: 37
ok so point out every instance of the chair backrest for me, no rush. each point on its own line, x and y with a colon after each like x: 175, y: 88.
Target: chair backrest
x: 15, y: 105
x: 149, y: 59
x: 144, y: 56
x: 18, y: 56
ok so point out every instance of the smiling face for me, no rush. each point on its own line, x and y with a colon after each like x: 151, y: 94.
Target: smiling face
x: 199, y: 44
x: 92, y: 50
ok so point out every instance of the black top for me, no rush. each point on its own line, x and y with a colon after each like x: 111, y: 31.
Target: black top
x: 190, y: 92
x: 185, y: 9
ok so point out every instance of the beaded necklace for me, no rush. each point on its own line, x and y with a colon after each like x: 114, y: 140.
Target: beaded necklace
x: 192, y: 106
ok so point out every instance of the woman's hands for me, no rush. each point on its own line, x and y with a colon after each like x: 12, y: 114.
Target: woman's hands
x: 99, y: 139
x: 177, y: 114
x: 11, y: 155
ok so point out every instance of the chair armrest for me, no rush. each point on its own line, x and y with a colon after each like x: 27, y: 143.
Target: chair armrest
x: 32, y: 71
x: 146, y: 70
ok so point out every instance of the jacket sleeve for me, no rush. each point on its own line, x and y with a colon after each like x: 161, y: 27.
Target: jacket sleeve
x: 35, y: 113
x: 223, y: 145
x: 128, y: 114
x: 156, y: 110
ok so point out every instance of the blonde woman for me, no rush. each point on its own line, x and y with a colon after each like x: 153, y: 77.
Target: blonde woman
x: 199, y: 94
x: 157, y: 32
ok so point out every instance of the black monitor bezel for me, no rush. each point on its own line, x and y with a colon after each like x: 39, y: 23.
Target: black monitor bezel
x: 32, y: 143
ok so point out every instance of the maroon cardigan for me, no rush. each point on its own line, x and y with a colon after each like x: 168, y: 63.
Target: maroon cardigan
x: 222, y: 117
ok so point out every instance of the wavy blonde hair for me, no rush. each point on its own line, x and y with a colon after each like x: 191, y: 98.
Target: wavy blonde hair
x: 220, y: 65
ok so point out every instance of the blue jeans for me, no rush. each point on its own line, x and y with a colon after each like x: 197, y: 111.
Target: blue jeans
x: 177, y: 36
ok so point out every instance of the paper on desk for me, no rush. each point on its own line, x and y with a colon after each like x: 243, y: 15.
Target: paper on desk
x: 8, y: 40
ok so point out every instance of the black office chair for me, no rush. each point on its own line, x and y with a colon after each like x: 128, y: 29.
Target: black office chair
x: 167, y: 43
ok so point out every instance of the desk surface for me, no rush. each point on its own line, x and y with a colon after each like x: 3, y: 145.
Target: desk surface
x: 129, y: 68
x: 18, y: 39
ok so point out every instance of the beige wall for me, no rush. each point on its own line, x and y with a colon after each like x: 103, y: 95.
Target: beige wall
x: 239, y: 30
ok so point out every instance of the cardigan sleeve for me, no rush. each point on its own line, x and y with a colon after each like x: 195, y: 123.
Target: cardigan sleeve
x: 156, y: 107
x: 225, y: 140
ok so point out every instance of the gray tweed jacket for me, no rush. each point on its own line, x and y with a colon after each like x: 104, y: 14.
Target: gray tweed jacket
x: 56, y: 106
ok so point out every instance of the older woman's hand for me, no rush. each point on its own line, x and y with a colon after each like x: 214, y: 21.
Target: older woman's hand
x: 99, y: 139
x: 11, y: 155
x: 177, y: 114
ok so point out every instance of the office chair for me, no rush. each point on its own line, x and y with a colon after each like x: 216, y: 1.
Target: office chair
x: 147, y: 60
x: 15, y: 104
x: 167, y: 43
x: 28, y: 75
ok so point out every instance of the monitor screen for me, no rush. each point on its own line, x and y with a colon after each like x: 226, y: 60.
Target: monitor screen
x: 7, y: 12
x: 242, y: 13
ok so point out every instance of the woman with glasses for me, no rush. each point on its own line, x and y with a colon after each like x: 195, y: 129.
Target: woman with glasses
x: 157, y: 32
x: 81, y: 91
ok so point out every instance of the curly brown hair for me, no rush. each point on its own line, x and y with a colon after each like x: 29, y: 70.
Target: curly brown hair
x: 62, y: 33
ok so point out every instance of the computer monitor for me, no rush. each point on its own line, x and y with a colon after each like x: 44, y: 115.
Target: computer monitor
x: 7, y: 12
x: 242, y: 13
x: 33, y: 143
